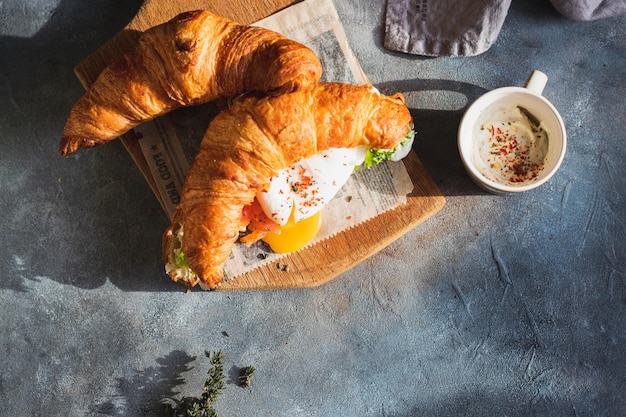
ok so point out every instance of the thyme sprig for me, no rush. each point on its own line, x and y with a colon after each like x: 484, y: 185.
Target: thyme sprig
x: 246, y: 376
x: 213, y: 386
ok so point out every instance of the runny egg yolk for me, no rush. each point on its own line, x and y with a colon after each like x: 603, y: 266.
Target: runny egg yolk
x: 293, y: 235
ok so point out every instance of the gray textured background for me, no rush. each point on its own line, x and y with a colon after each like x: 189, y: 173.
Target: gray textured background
x: 495, y: 306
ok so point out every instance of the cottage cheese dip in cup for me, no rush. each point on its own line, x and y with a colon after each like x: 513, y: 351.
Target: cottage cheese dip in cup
x: 512, y: 139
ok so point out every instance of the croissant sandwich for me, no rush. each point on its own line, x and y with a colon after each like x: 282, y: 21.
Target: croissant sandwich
x: 192, y: 59
x: 250, y: 143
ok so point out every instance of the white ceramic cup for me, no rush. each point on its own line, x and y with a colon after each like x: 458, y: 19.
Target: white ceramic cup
x: 529, y: 97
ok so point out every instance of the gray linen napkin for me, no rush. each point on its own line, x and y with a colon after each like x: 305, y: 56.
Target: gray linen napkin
x: 590, y: 9
x: 466, y: 28
x: 443, y: 27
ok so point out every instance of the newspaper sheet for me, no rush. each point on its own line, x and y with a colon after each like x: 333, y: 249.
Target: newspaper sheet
x: 170, y: 143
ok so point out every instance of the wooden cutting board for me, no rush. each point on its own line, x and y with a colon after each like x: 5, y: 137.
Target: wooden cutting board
x: 316, y: 264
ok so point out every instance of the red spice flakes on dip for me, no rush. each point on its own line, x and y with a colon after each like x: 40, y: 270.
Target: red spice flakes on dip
x: 510, y: 148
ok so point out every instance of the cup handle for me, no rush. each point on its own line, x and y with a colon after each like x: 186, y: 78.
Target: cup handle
x: 536, y: 81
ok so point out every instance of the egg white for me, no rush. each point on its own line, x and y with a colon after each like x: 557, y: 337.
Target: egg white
x: 403, y: 148
x: 307, y: 186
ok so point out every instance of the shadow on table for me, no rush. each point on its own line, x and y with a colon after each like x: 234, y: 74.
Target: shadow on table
x: 149, y: 391
x: 49, y: 232
x: 437, y: 107
x: 154, y: 390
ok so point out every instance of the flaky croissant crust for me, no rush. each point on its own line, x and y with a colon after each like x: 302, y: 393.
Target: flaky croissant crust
x: 194, y: 58
x: 246, y: 145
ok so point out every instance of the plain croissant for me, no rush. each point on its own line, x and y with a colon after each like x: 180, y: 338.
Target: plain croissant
x: 194, y: 58
x: 247, y: 144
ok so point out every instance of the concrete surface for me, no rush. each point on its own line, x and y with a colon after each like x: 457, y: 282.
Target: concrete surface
x: 496, y: 306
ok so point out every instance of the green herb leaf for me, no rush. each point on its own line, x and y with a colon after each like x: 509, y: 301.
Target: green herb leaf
x: 181, y: 260
x: 376, y: 156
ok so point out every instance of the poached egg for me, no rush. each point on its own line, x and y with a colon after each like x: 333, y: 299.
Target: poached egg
x: 296, y: 195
